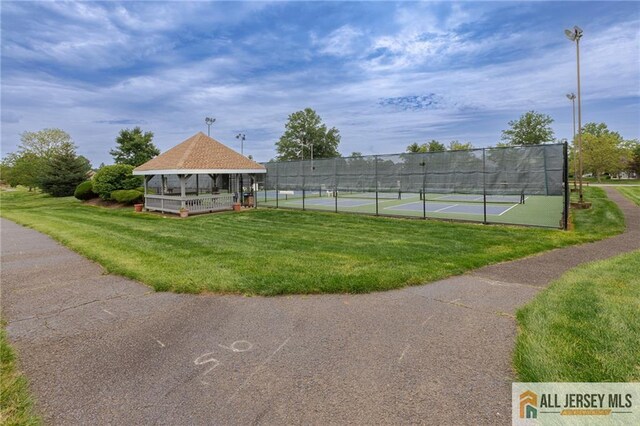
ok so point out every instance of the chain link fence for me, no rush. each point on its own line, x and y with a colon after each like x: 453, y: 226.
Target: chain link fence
x: 523, y: 185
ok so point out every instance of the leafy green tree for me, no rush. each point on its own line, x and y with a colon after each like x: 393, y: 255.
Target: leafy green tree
x: 113, y: 178
x: 600, y: 154
x: 532, y: 128
x: 44, y: 143
x: 635, y: 160
x: 356, y: 154
x: 600, y: 129
x: 63, y: 172
x: 432, y: 146
x: 134, y: 147
x: 303, y: 129
x: 23, y: 169
x: 459, y: 146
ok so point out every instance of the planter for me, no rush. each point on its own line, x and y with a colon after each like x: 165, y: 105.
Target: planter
x: 138, y: 207
x: 237, y: 207
x: 184, y: 213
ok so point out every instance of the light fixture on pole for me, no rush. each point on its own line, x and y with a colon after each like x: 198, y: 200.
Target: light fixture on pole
x: 575, y: 34
x: 241, y: 137
x: 209, y: 122
x: 572, y: 97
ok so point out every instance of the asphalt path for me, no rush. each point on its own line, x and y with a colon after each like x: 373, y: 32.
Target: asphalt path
x: 100, y: 349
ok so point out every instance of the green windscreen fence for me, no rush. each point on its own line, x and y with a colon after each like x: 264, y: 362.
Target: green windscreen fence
x: 523, y: 185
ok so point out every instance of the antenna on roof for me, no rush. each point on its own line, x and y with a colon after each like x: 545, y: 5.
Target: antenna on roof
x: 209, y: 122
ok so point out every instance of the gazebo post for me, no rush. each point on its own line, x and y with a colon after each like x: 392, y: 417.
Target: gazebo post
x: 162, y: 193
x: 197, y: 185
x: 183, y: 191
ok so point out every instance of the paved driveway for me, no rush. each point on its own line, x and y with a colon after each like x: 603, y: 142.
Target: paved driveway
x: 99, y: 348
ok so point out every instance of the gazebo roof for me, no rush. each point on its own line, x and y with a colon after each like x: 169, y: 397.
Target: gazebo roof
x: 199, y: 154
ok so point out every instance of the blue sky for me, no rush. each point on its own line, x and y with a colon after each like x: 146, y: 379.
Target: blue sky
x: 385, y: 74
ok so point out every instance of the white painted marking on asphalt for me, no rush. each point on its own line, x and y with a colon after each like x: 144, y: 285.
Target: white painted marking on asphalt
x: 160, y: 343
x: 403, y: 352
x: 244, y: 346
x: 109, y: 312
x: 203, y: 360
x: 258, y: 368
x: 425, y: 321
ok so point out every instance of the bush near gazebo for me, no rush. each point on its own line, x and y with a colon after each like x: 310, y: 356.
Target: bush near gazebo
x: 113, y: 178
x: 127, y: 196
x: 84, y: 191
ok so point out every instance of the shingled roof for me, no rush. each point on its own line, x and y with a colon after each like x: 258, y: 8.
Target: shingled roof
x: 199, y: 154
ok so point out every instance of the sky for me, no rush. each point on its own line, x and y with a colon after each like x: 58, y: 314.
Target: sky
x: 385, y: 74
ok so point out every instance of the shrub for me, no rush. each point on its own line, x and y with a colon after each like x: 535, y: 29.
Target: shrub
x: 84, y: 191
x: 127, y: 196
x: 112, y: 178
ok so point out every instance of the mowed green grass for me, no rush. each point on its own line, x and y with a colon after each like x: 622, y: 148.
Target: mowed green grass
x: 631, y: 192
x: 271, y: 252
x: 585, y: 327
x: 16, y: 406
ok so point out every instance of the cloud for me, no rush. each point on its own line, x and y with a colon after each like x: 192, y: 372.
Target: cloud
x: 340, y: 42
x: 124, y: 121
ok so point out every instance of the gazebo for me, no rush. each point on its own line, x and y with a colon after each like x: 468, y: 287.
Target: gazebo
x: 198, y: 175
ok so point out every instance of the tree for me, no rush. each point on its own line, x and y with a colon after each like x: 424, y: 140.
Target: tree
x: 63, y: 172
x: 432, y: 146
x: 22, y: 169
x: 113, y: 178
x: 600, y: 154
x: 635, y: 161
x: 44, y: 143
x: 532, y: 128
x: 303, y: 129
x: 28, y: 166
x: 134, y: 147
x: 356, y: 154
x: 459, y: 146
x: 599, y: 129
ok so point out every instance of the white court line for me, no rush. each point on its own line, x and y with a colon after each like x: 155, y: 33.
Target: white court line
x: 507, y: 209
x: 448, y: 207
x: 400, y: 205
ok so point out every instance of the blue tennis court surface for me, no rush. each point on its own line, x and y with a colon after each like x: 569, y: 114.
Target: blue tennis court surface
x: 513, y: 199
x: 330, y: 202
x: 438, y: 207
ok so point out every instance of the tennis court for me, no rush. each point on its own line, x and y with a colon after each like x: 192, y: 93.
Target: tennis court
x: 523, y: 185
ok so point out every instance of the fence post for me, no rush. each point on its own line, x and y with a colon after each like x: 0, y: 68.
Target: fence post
x: 375, y: 157
x: 277, y: 183
x: 484, y: 185
x: 567, y: 191
x: 424, y: 186
x: 335, y: 183
x: 302, y: 167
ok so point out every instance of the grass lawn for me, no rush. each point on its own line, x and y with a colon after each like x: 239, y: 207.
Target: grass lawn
x: 592, y: 180
x: 16, y: 407
x: 585, y: 327
x: 271, y: 252
x: 632, y: 193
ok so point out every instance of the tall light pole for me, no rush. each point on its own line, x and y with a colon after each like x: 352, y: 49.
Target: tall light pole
x: 241, y: 137
x: 572, y: 97
x: 310, y: 146
x: 209, y: 122
x: 575, y: 35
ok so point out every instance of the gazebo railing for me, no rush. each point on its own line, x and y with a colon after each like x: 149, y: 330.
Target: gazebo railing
x: 195, y: 204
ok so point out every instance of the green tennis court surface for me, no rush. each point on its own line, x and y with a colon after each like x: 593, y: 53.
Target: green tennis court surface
x: 537, y: 210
